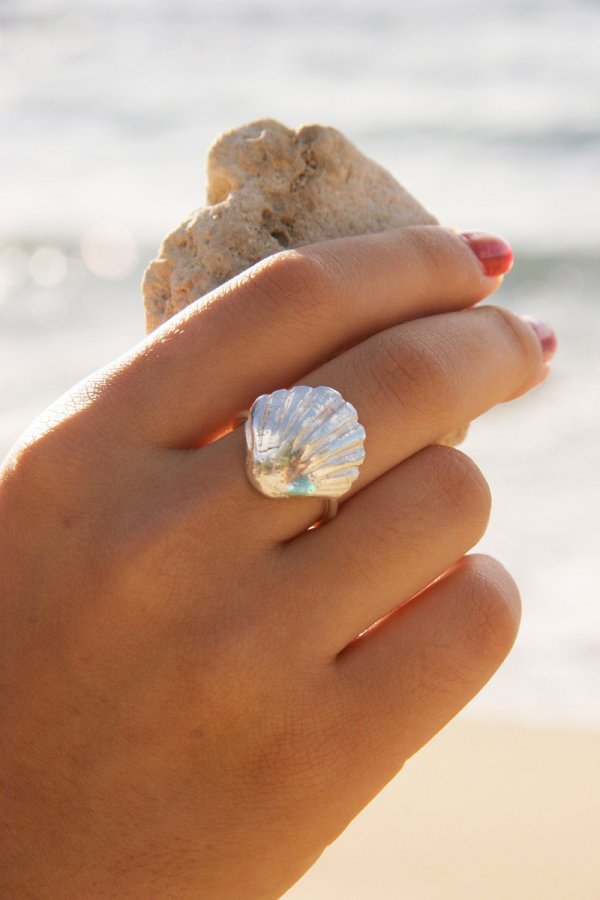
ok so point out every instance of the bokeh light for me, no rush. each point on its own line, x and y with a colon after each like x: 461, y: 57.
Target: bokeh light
x: 13, y: 269
x: 48, y: 266
x: 109, y: 250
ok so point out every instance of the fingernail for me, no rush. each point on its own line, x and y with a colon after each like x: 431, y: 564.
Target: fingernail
x: 493, y: 252
x: 546, y: 336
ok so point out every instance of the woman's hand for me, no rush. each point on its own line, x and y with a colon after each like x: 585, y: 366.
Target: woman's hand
x: 185, y: 707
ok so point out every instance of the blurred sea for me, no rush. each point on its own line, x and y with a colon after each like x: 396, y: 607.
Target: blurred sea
x: 489, y: 113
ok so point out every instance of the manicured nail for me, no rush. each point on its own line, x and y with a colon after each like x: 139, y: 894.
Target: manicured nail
x: 546, y: 336
x: 493, y: 252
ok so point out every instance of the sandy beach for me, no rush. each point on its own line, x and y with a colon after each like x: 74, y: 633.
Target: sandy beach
x: 484, y: 812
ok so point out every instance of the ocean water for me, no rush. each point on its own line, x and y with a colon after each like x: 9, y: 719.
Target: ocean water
x: 489, y: 113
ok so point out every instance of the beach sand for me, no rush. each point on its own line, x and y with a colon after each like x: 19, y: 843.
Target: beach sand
x: 484, y: 812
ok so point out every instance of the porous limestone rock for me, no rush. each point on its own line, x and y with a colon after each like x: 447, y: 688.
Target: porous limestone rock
x: 269, y: 188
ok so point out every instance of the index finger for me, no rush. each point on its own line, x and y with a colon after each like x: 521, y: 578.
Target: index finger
x: 290, y: 313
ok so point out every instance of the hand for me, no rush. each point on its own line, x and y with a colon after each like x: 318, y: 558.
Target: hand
x: 186, y: 709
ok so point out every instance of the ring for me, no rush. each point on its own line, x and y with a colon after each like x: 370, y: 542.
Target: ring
x: 303, y: 441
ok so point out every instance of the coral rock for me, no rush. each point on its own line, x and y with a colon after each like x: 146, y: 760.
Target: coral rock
x: 269, y: 188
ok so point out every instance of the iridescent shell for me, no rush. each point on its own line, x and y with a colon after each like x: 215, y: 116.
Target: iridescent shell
x: 303, y: 441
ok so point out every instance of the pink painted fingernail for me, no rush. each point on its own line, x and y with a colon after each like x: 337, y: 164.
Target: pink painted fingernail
x: 546, y: 336
x: 493, y: 252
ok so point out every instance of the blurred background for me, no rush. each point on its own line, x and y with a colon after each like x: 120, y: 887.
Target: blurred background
x: 488, y: 113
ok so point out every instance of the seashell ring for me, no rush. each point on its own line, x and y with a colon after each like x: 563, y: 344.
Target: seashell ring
x: 303, y: 442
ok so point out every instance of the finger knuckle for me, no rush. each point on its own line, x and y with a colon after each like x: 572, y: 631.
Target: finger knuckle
x: 301, y: 284
x: 428, y: 246
x: 463, y: 493
x: 33, y: 470
x: 408, y: 371
x: 515, y: 334
x: 441, y: 257
x: 491, y: 600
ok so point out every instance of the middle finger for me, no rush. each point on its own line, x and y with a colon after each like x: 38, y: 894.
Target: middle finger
x: 410, y: 384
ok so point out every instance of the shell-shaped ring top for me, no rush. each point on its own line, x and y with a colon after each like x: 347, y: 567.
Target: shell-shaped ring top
x: 303, y: 441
